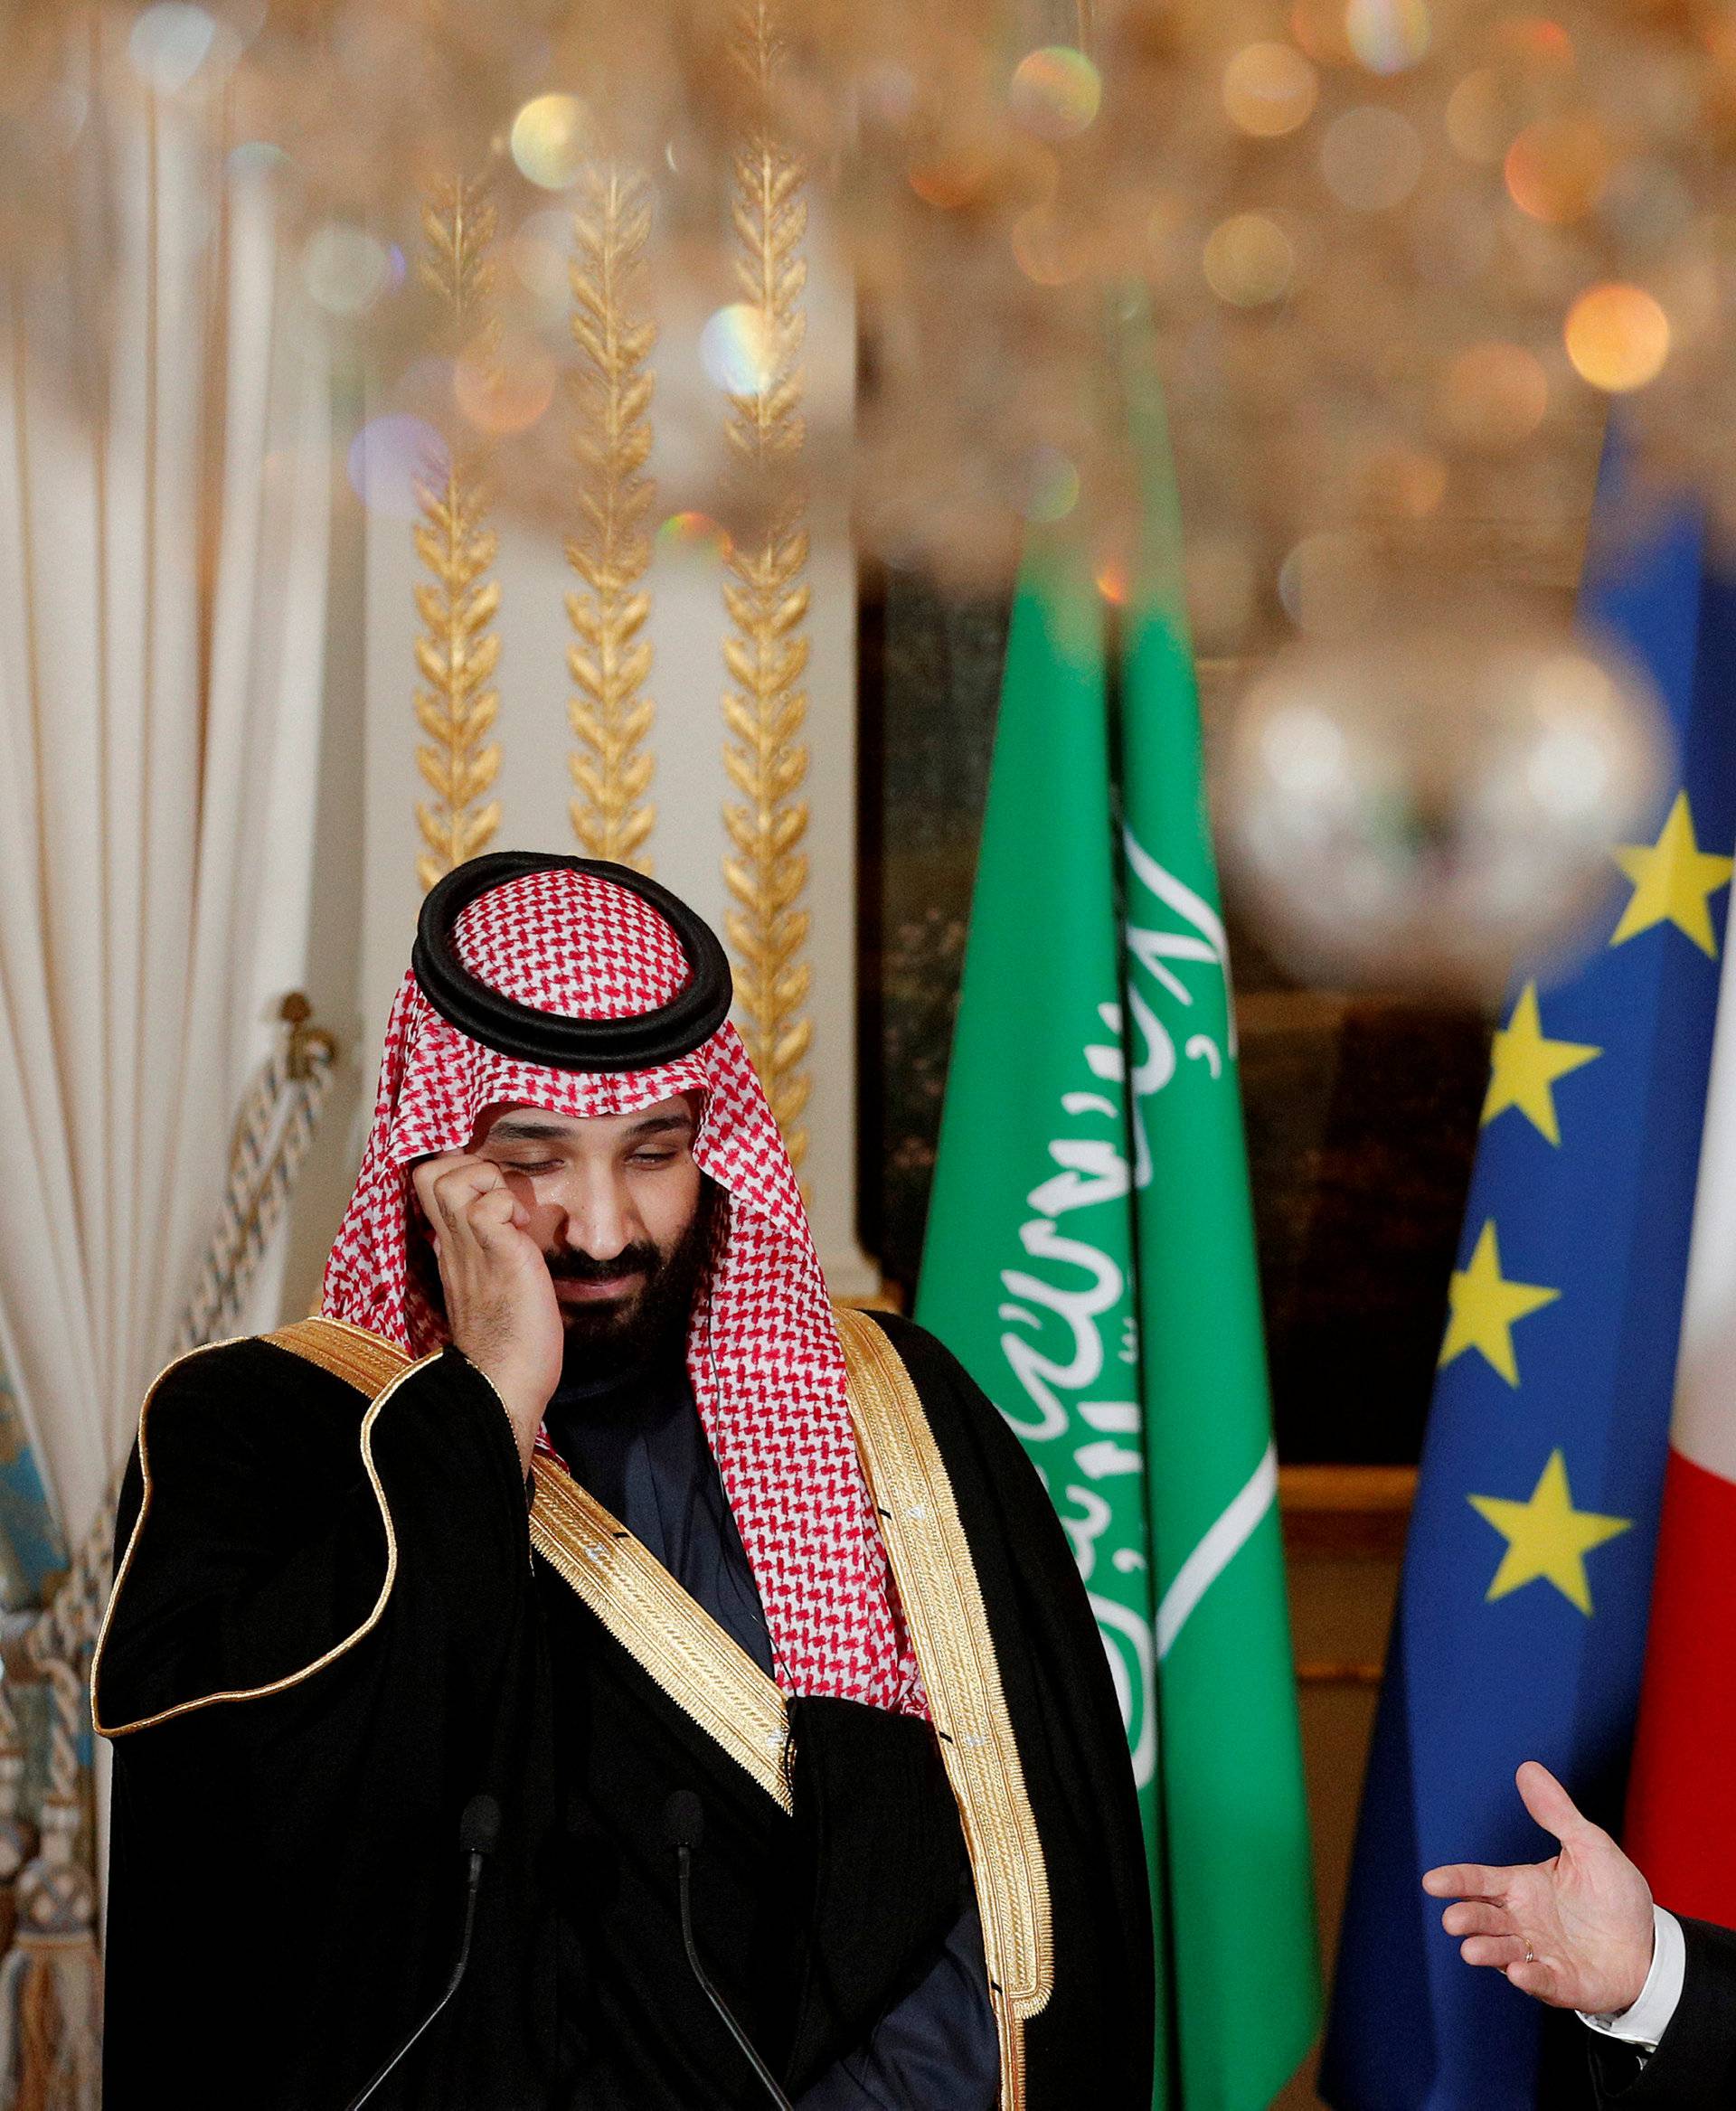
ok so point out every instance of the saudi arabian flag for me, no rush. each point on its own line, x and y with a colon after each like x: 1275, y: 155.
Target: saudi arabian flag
x: 1090, y: 1259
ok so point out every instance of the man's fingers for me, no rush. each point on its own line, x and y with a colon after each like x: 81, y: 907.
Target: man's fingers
x: 1549, y: 1802
x: 1477, y: 1918
x: 491, y: 1213
x: 456, y: 1189
x: 423, y: 1177
x: 1498, y: 1950
x: 1468, y: 1880
x: 1537, y: 1979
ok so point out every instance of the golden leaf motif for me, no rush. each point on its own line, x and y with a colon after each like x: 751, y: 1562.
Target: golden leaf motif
x: 457, y: 658
x: 610, y: 663
x: 457, y: 653
x: 458, y: 223
x: 766, y: 599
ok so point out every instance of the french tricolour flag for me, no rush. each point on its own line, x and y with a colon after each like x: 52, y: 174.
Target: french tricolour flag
x: 1682, y: 1793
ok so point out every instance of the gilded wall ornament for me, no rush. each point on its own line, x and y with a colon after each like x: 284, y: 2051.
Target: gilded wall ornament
x: 609, y: 660
x: 766, y: 596
x: 459, y: 650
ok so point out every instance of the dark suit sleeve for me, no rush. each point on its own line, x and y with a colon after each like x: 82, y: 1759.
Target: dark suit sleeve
x: 1695, y: 2066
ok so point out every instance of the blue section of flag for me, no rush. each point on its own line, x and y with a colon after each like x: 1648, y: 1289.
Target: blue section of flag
x: 1476, y: 1684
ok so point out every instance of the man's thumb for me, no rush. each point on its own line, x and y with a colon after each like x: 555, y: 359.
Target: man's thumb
x: 1548, y: 1802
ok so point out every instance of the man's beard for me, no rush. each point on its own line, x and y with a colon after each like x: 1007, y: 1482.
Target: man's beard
x: 604, y: 1339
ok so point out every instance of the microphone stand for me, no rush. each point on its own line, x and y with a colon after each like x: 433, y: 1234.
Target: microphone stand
x: 478, y: 1830
x: 684, y: 1823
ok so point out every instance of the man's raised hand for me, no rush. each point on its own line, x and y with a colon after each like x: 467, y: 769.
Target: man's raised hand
x: 501, y: 1308
x: 1576, y: 1930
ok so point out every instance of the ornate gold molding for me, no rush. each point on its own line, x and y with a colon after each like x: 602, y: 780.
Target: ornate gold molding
x: 457, y: 653
x: 610, y: 659
x: 766, y: 596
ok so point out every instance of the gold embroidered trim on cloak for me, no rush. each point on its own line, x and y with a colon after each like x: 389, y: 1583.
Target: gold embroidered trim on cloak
x: 350, y: 1353
x: 301, y: 1346
x: 668, y: 1633
x: 949, y: 1626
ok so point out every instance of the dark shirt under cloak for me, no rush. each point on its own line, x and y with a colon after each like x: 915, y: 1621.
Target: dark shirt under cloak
x: 286, y: 1882
x: 635, y: 1441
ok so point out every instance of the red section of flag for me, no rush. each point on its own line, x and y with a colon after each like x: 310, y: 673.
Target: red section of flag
x: 1682, y: 1795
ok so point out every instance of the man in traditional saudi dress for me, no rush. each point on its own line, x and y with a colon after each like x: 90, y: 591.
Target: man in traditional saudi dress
x: 580, y: 1497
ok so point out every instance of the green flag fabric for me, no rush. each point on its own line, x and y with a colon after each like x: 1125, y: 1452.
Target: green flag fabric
x: 1089, y: 1258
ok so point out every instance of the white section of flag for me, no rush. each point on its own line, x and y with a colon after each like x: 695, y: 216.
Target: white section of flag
x: 1218, y: 1547
x: 1703, y: 1427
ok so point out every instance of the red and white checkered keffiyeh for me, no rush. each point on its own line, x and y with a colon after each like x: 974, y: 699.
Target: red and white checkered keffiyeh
x: 763, y: 1352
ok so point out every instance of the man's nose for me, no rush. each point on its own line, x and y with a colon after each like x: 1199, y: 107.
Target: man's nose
x: 598, y: 1222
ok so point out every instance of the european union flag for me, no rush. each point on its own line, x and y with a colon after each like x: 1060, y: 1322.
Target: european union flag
x: 1521, y: 1618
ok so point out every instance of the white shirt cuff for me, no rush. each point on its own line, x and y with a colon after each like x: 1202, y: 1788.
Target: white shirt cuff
x: 1645, y: 2022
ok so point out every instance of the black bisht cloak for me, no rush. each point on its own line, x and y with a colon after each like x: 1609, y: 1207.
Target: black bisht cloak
x: 331, y: 1633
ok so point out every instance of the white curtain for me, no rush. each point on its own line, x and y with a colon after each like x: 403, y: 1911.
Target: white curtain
x: 164, y: 495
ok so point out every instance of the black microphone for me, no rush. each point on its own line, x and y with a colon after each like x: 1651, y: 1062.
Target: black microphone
x: 683, y: 1827
x: 478, y: 1830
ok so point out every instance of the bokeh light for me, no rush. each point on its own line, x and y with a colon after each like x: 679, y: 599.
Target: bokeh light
x: 1322, y: 29
x: 390, y: 457
x: 1051, y: 485
x: 1388, y: 35
x: 258, y: 158
x: 1480, y: 117
x: 1249, y: 261
x: 1045, y: 250
x: 168, y: 43
x: 1617, y: 337
x: 693, y: 535
x: 736, y: 350
x: 1370, y: 158
x: 1269, y: 90
x: 1534, y: 41
x: 950, y: 181
x: 1407, y: 482
x: 1494, y: 395
x: 1328, y: 583
x: 1055, y: 92
x: 1556, y: 169
x: 886, y: 93
x: 345, y: 269
x: 503, y: 385
x: 1435, y: 797
x: 1112, y: 582
x: 540, y: 254
x: 549, y: 140
x: 1356, y: 227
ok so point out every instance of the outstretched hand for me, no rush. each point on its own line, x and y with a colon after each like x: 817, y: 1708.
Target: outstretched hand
x: 1576, y: 1930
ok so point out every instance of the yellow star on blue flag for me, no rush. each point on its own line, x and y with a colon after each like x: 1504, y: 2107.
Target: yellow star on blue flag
x: 1547, y: 1539
x: 1485, y: 1305
x: 1674, y: 881
x: 1525, y: 1066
